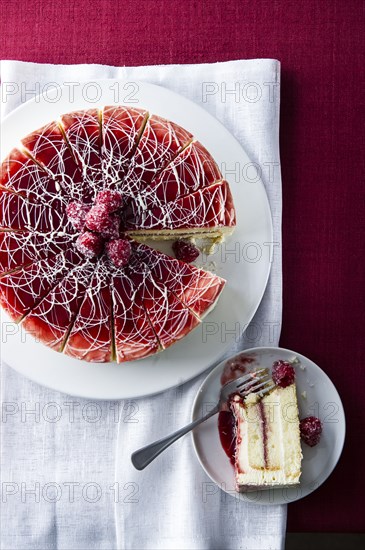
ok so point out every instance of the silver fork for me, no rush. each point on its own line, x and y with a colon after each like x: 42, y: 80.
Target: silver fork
x: 256, y: 381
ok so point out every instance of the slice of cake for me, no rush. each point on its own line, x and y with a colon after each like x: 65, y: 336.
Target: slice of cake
x: 83, y: 134
x: 48, y: 147
x: 268, y: 450
x: 209, y: 212
x: 22, y: 289
x: 90, y: 337
x: 161, y: 141
x: 197, y: 289
x: 171, y: 320
x: 20, y: 174
x: 19, y: 214
x: 121, y: 130
x: 51, y: 320
x: 193, y: 169
x: 134, y: 336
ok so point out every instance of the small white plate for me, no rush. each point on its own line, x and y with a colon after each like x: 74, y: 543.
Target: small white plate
x: 244, y: 260
x: 317, y: 396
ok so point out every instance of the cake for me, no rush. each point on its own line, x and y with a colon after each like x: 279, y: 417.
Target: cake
x: 78, y: 201
x: 268, y: 450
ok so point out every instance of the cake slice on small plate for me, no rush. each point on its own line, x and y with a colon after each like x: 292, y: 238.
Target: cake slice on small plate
x: 268, y: 449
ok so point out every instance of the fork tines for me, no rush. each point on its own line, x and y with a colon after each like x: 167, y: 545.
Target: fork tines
x: 260, y: 389
x: 253, y: 377
x: 261, y: 383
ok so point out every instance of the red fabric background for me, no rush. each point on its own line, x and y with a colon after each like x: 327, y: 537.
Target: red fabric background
x: 320, y: 44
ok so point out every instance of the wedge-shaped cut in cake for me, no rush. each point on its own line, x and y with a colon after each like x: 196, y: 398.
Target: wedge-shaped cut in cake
x: 17, y: 213
x: 91, y: 334
x: 21, y: 290
x: 199, y: 290
x: 122, y: 128
x: 268, y: 451
x: 170, y: 318
x: 133, y: 334
x: 51, y: 320
x: 49, y: 148
x: 83, y: 133
x: 22, y: 175
x: 160, y: 142
x: 193, y: 169
x: 19, y: 248
x: 209, y: 211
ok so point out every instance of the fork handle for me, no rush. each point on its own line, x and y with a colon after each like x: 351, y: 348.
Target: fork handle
x: 145, y: 455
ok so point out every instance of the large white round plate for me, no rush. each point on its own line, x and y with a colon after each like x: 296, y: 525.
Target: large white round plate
x: 244, y: 260
x: 317, y: 396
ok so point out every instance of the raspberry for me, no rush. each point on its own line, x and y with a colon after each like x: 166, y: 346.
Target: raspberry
x: 112, y: 231
x: 119, y: 251
x: 185, y: 251
x: 76, y: 212
x: 310, y: 430
x: 89, y: 244
x: 98, y: 219
x: 283, y: 373
x: 113, y: 200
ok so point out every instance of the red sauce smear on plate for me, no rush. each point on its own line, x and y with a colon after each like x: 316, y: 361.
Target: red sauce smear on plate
x: 236, y: 367
x: 226, y: 427
x: 233, y: 369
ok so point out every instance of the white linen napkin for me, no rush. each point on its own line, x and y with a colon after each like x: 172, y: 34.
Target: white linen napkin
x: 74, y: 454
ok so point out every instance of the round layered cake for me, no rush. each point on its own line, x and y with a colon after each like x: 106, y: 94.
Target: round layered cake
x: 78, y: 201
